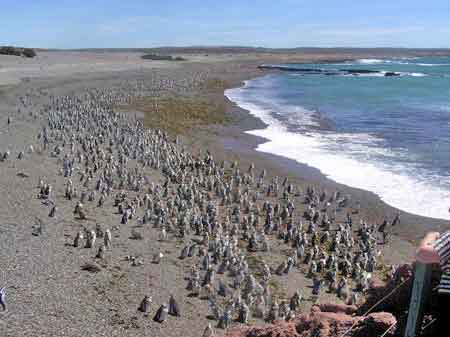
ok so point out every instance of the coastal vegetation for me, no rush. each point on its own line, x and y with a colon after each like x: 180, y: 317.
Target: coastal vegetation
x: 179, y: 114
x: 17, y: 51
x: 157, y: 57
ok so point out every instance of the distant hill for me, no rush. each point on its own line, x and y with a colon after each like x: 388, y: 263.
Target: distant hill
x: 262, y: 50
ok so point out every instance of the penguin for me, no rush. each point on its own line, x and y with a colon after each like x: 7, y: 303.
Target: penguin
x: 161, y: 314
x: 157, y: 258
x: 145, y: 304
x: 2, y: 298
x: 184, y: 253
x: 78, y: 238
x: 91, y: 237
x: 107, y: 238
x: 101, y: 252
x: 317, y: 284
x: 81, y: 214
x: 224, y: 321
x: 174, y: 309
x: 52, y: 212
x: 208, y: 332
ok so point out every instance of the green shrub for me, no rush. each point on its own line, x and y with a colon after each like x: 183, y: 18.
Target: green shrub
x: 28, y: 52
x: 15, y: 51
x: 157, y: 57
x: 8, y: 50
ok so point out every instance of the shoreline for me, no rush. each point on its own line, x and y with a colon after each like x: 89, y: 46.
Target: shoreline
x: 412, y: 226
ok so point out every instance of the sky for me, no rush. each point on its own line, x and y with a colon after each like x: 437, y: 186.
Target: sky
x: 276, y: 23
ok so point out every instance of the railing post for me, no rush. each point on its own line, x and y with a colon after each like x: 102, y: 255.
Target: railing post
x: 419, y: 296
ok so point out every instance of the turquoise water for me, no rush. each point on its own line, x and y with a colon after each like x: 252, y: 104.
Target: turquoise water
x: 360, y: 127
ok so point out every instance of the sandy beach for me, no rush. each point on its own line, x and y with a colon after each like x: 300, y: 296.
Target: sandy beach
x: 48, y: 293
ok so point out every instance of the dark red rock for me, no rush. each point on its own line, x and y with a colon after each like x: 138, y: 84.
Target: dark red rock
x: 322, y: 323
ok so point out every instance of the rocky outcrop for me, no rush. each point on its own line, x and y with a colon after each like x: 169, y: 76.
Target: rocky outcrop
x: 399, y: 285
x: 327, y: 320
x: 388, y: 300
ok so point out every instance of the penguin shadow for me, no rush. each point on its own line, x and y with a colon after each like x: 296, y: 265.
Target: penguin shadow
x: 86, y: 219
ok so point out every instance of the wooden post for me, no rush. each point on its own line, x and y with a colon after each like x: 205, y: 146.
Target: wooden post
x: 419, y: 296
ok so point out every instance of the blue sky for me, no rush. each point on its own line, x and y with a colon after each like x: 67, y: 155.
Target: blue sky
x: 276, y: 23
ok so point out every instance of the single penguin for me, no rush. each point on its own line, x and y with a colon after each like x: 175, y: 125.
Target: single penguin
x: 174, y: 309
x: 145, y: 304
x: 2, y: 298
x: 161, y: 314
x: 208, y: 332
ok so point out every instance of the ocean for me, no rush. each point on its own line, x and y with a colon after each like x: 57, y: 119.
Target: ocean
x: 378, y: 125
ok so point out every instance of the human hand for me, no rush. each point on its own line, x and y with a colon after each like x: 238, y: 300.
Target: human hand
x: 426, y: 252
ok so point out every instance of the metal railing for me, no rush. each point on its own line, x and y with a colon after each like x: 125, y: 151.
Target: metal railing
x: 420, y: 294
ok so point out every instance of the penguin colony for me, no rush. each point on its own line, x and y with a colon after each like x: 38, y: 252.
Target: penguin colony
x: 222, y: 213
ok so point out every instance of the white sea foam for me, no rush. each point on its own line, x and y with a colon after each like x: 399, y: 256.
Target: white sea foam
x: 417, y: 74
x: 370, y: 61
x: 431, y: 64
x: 399, y: 61
x: 394, y: 183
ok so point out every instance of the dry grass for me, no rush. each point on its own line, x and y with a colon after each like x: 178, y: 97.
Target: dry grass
x: 214, y: 84
x: 180, y: 115
x: 254, y: 264
x: 278, y: 291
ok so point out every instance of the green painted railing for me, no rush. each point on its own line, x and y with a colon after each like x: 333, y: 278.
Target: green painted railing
x: 419, y: 296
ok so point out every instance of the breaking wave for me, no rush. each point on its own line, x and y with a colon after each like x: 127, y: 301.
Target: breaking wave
x: 346, y: 158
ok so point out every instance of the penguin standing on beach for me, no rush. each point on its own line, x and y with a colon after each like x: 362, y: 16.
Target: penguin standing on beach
x: 145, y: 304
x: 174, y: 309
x: 208, y: 332
x: 53, y: 212
x: 161, y: 314
x: 2, y: 298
